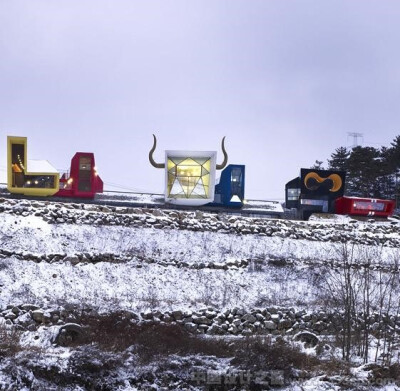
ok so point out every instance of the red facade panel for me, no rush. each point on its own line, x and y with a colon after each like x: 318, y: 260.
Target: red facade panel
x: 83, y: 180
x: 364, y: 206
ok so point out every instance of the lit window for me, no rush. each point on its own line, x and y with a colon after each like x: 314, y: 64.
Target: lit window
x: 188, y: 177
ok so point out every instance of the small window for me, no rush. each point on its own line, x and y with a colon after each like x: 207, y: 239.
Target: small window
x: 293, y: 194
x: 237, y: 184
x: 85, y: 171
x: 236, y: 175
x: 85, y: 164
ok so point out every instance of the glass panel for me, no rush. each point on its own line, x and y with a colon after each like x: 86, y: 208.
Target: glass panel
x: 189, y: 171
x: 85, y: 163
x: 200, y: 189
x: 176, y: 188
x: 236, y: 175
x: 177, y: 160
x: 187, y: 177
x: 322, y: 203
x: 17, y: 165
x: 204, y: 171
x: 207, y: 165
x: 206, y: 180
x: 236, y: 183
x: 170, y: 164
x: 369, y: 206
x: 171, y: 180
x: 188, y: 162
x: 200, y: 160
x: 39, y: 182
x: 293, y: 193
x: 85, y: 174
x: 312, y: 202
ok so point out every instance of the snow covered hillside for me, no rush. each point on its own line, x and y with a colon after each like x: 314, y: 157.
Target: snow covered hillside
x: 63, y: 265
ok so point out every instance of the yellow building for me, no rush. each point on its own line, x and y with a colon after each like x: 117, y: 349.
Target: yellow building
x: 28, y: 177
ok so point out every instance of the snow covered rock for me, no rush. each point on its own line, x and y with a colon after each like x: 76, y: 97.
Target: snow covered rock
x: 270, y: 325
x: 68, y: 334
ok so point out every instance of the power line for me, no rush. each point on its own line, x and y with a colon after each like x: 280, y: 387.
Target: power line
x: 118, y: 186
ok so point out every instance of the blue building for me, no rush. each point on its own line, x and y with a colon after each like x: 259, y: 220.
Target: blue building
x: 229, y: 190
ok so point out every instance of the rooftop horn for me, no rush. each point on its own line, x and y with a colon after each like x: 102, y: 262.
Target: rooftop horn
x: 153, y: 163
x: 221, y: 166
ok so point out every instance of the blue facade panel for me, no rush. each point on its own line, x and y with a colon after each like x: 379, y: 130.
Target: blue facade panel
x: 230, y: 189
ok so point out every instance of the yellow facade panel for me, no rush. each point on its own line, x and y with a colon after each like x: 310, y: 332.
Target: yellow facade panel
x: 19, y: 179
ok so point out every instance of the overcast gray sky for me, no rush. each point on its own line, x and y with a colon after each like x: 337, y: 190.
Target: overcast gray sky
x: 283, y: 80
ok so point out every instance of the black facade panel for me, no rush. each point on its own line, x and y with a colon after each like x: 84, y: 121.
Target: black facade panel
x: 290, y: 202
x: 322, y: 183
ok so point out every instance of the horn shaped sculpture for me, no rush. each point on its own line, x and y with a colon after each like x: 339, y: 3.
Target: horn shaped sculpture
x: 152, y: 161
x: 222, y: 166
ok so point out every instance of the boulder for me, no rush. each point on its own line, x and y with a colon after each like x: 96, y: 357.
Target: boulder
x: 38, y: 316
x: 249, y: 318
x: 25, y: 320
x: 215, y: 330
x: 177, y: 314
x: 191, y: 327
x: 309, y: 339
x: 210, y: 314
x: 72, y: 259
x: 69, y: 334
x: 10, y: 315
x: 233, y: 330
x: 270, y: 325
x: 202, y: 320
x: 285, y: 324
x: 319, y: 326
x: 236, y: 322
x: 260, y: 317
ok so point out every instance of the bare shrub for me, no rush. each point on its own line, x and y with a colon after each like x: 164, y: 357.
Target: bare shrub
x: 149, y: 340
x: 155, y: 341
x: 363, y: 290
x: 151, y: 297
x: 9, y: 341
x: 256, y: 265
x: 260, y: 352
x: 4, y: 265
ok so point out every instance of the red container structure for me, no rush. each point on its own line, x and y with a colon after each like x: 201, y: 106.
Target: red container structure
x: 83, y: 180
x: 364, y: 206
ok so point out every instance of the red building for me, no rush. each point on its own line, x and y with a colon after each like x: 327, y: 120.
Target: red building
x: 82, y: 180
x: 364, y: 206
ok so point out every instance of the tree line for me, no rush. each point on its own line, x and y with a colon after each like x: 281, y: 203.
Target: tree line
x: 371, y: 172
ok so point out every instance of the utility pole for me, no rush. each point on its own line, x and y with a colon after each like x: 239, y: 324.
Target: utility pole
x: 355, y: 136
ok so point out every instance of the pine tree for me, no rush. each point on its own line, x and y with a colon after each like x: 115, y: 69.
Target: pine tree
x: 387, y: 176
x: 370, y: 172
x: 393, y: 157
x: 339, y: 159
x: 364, y: 167
x: 394, y: 153
x: 317, y: 165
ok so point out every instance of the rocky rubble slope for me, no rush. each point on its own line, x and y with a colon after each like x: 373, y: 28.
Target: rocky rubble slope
x: 54, y: 213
